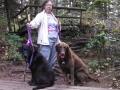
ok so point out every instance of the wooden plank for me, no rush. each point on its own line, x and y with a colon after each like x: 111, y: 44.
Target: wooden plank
x: 14, y: 85
x: 68, y: 8
x: 33, y: 15
x: 21, y: 21
x: 67, y: 17
x: 66, y: 87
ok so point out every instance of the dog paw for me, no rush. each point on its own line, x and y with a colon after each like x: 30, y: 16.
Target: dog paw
x: 31, y: 83
x: 82, y: 83
x: 34, y: 89
x: 97, y: 80
x: 70, y: 83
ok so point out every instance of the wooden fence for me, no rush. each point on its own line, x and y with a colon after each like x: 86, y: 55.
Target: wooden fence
x: 22, y: 17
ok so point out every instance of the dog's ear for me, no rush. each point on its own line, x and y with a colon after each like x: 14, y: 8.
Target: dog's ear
x: 57, y: 47
x: 68, y: 50
x: 67, y: 47
x: 20, y: 49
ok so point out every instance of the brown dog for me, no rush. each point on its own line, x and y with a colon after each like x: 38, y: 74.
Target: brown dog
x: 72, y: 65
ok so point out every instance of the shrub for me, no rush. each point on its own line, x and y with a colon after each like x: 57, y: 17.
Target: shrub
x: 12, y: 42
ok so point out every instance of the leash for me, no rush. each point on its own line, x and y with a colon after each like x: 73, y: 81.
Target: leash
x: 59, y: 32
x: 31, y: 43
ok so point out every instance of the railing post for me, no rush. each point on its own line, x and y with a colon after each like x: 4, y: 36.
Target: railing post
x: 14, y: 25
x: 18, y: 21
x: 80, y: 19
x: 27, y: 14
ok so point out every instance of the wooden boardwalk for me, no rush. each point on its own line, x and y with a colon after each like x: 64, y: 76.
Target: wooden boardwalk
x: 13, y: 85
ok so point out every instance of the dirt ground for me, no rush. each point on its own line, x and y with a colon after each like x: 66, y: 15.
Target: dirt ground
x: 14, y: 71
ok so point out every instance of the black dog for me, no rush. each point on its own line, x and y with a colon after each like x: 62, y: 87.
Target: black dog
x: 42, y: 73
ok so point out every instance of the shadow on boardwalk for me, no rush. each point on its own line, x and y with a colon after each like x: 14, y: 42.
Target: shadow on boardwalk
x: 13, y: 85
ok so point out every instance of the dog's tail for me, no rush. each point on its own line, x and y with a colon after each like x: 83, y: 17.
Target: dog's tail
x: 94, y: 79
x: 43, y: 86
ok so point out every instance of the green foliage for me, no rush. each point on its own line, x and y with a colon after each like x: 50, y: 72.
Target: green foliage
x: 93, y: 66
x: 97, y: 43
x: 2, y: 36
x: 16, y: 27
x: 3, y: 21
x: 116, y: 28
x: 12, y: 43
x: 86, y: 22
x: 90, y: 18
x: 13, y: 6
x: 71, y: 31
x: 101, y: 1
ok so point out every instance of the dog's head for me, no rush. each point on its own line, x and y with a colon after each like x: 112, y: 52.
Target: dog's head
x: 26, y: 51
x: 62, y: 50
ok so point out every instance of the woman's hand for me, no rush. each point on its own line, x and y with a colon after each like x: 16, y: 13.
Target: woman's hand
x: 29, y: 25
x: 59, y: 23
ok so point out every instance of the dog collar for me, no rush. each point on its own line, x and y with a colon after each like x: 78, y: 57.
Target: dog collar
x: 63, y: 62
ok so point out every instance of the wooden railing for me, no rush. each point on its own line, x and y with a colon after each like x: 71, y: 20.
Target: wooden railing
x: 21, y: 18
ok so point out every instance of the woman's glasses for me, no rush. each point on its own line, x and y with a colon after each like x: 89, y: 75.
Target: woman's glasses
x: 49, y: 5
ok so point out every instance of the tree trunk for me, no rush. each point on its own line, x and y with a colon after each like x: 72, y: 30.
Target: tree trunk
x: 22, y: 3
x: 7, y: 11
x: 37, y: 2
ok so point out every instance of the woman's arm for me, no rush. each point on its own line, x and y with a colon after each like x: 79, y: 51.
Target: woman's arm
x: 35, y: 23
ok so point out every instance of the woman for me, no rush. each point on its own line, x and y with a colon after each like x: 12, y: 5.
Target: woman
x: 48, y: 30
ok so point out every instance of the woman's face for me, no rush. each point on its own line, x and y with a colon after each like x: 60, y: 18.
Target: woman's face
x: 48, y: 7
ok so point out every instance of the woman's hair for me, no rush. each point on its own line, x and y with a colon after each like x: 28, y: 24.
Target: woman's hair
x: 44, y: 3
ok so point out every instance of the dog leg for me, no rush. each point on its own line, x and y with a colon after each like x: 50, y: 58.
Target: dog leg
x: 94, y: 79
x: 90, y: 77
x: 72, y: 75
x: 65, y: 78
x: 82, y: 77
